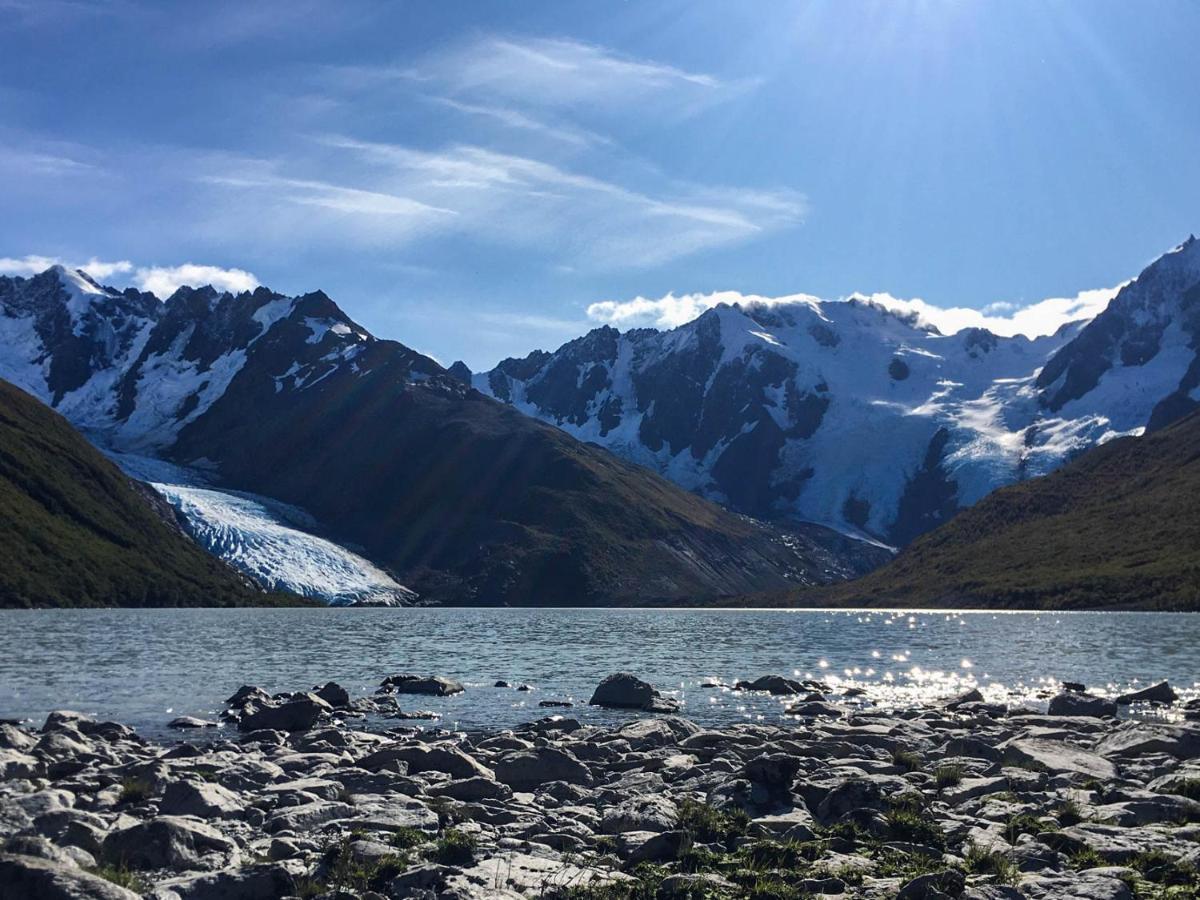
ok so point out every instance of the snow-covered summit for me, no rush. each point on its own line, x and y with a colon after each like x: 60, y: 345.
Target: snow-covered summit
x: 861, y: 416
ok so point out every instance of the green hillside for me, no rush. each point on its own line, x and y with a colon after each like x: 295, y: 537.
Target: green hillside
x: 74, y: 531
x: 1117, y: 528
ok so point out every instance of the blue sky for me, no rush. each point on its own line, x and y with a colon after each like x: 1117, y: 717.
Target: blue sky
x: 471, y: 178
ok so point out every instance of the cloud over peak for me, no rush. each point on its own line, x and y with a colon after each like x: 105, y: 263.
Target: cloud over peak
x: 1003, y: 318
x: 162, y: 281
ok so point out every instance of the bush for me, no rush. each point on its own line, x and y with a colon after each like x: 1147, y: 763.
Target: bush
x: 455, y: 848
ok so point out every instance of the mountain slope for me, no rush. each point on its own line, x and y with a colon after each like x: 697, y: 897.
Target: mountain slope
x: 861, y: 418
x: 74, y: 531
x: 1118, y: 527
x: 463, y: 498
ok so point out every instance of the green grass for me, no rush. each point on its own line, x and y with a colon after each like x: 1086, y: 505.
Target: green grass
x: 1025, y: 823
x: 1068, y: 813
x: 908, y: 760
x: 122, y: 877
x: 1164, y: 868
x: 981, y: 861
x: 915, y: 827
x: 454, y: 848
x: 948, y: 776
x: 1085, y: 858
x: 134, y: 791
x: 407, y: 838
x: 707, y: 824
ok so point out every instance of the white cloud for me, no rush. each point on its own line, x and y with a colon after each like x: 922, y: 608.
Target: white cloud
x: 163, y: 281
x: 514, y: 199
x: 561, y: 72
x: 521, y: 121
x: 1006, y: 319
x: 32, y: 265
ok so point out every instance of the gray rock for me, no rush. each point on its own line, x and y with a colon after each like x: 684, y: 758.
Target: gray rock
x: 933, y: 885
x: 333, y: 694
x: 776, y: 685
x: 31, y: 878
x: 205, y: 801
x: 184, y: 723
x: 1072, y: 704
x: 264, y: 881
x: 433, y: 685
x: 524, y: 770
x: 15, y: 764
x: 42, y: 848
x: 1156, y: 693
x: 427, y: 758
x: 298, y: 714
x: 166, y: 842
x: 1141, y: 738
x: 625, y: 691
x: 308, y: 816
x: 650, y: 813
x: 650, y: 846
x: 1058, y: 757
x: 472, y: 790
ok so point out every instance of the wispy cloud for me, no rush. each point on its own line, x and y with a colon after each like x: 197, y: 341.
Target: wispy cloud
x: 562, y: 73
x: 1006, y: 319
x: 401, y: 193
x: 516, y: 119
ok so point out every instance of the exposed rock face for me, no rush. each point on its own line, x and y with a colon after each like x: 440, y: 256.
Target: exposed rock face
x: 777, y: 409
x: 857, y: 806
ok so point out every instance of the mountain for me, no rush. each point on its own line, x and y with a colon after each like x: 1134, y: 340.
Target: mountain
x: 75, y: 531
x: 862, y: 418
x: 1118, y: 527
x: 456, y: 496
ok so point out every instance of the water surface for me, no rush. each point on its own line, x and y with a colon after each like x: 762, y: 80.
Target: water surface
x: 143, y: 667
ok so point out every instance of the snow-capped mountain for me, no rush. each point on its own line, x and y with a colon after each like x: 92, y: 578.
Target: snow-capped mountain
x: 284, y: 403
x: 862, y: 418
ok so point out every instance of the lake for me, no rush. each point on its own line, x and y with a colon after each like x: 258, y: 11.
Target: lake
x: 144, y: 667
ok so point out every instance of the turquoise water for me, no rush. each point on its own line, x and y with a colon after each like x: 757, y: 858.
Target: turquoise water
x: 144, y: 667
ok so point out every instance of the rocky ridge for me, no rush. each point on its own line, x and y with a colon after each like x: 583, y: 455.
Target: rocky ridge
x: 964, y: 798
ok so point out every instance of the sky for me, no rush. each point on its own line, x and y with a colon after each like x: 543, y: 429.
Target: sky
x: 481, y: 179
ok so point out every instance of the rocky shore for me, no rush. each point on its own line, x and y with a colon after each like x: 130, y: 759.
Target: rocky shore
x: 964, y: 799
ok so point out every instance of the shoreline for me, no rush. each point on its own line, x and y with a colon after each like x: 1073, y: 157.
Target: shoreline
x: 960, y: 798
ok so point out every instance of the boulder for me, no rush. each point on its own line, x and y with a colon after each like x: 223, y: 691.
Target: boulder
x: 247, y: 693
x: 971, y: 696
x: 433, y: 685
x: 299, y: 714
x: 333, y: 694
x: 426, y: 758
x: 184, y: 723
x: 308, y: 816
x: 205, y: 801
x: 1142, y: 738
x: 652, y: 846
x: 1156, y: 693
x: 167, y: 842
x: 625, y: 691
x: 650, y: 813
x: 1057, y: 757
x: 525, y: 770
x: 776, y: 685
x: 472, y: 790
x: 1070, y: 703
x: 264, y: 881
x: 31, y: 877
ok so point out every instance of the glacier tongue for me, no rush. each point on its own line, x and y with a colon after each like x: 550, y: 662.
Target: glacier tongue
x: 269, y: 541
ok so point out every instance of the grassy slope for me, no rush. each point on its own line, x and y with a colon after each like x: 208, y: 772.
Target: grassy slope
x: 74, y: 531
x: 1119, y: 527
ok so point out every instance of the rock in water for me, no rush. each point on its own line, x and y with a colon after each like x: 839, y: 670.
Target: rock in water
x: 1070, y: 703
x: 1156, y: 693
x: 300, y: 714
x: 434, y: 685
x: 625, y: 691
x: 776, y: 685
